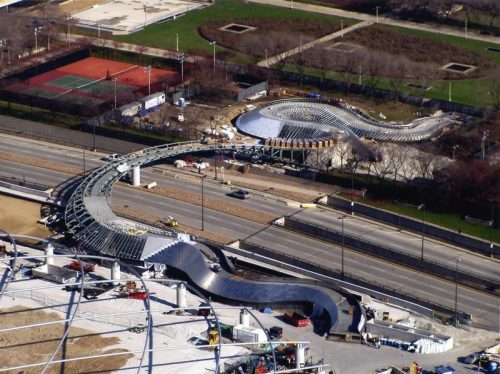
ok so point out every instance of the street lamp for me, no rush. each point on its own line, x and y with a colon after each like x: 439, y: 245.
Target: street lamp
x: 343, y: 245
x: 181, y: 57
x: 213, y: 44
x: 486, y: 134
x: 38, y: 30
x: 114, y: 81
x: 202, y: 203
x: 145, y: 6
x: 352, y: 191
x: 147, y: 70
x: 456, y: 291
x: 177, y: 42
x: 68, y: 18
x: 3, y: 44
x: 422, y: 207
x: 376, y: 11
x: 492, y: 222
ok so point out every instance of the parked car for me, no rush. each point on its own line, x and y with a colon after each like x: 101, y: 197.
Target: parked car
x: 472, y: 358
x: 240, y: 194
x: 111, y: 157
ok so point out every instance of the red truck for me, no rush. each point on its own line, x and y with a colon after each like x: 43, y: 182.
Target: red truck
x: 296, y: 319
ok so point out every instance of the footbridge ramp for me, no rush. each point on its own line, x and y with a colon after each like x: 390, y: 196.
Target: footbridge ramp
x: 91, y: 221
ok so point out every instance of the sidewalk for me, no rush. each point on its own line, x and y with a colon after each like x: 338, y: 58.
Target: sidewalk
x: 338, y: 34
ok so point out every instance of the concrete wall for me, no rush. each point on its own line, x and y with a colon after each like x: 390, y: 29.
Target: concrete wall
x: 465, y: 241
x: 24, y: 189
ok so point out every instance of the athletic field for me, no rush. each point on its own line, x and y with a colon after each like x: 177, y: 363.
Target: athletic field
x: 91, y: 81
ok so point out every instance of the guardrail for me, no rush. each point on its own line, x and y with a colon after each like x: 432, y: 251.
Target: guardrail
x: 31, y: 191
x: 470, y: 243
x: 393, y: 255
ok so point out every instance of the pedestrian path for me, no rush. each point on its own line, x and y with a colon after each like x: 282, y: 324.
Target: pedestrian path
x: 338, y: 34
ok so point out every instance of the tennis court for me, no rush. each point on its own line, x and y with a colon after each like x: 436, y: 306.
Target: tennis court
x: 94, y: 81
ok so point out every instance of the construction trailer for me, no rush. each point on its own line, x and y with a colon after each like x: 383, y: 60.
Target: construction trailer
x: 244, y: 334
x: 131, y: 109
x: 153, y: 100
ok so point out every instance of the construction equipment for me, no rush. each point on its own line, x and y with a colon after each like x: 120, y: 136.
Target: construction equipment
x: 171, y: 222
x: 213, y: 337
x: 78, y: 265
x: 296, y: 319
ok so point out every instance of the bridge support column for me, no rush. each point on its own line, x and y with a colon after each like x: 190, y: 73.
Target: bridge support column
x: 136, y: 176
x: 115, y: 273
x: 244, y: 318
x: 49, y: 253
x: 181, y: 296
x: 300, y: 356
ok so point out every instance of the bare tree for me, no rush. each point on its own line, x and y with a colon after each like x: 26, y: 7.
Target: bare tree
x: 347, y: 65
x: 341, y: 153
x: 375, y: 68
x: 281, y: 46
x: 321, y: 60
x: 399, y: 73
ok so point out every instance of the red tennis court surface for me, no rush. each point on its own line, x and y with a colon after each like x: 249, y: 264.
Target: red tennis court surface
x: 96, y: 68
x: 91, y: 81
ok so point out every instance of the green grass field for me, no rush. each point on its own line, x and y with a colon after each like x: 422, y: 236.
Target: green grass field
x: 450, y: 221
x: 163, y: 35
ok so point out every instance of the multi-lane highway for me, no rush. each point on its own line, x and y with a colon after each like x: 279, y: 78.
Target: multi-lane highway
x: 481, y: 306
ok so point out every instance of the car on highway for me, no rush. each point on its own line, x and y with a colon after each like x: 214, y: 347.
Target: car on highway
x: 111, y: 157
x: 240, y: 194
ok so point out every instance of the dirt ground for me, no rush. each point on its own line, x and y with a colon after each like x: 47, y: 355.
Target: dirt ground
x: 37, y: 344
x: 19, y: 216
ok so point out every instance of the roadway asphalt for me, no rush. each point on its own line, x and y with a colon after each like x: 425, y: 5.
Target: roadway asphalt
x: 480, y: 305
x: 404, y: 242
x: 388, y: 236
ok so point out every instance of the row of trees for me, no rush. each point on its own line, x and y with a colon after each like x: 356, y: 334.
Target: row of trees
x: 443, y: 9
x: 21, y: 30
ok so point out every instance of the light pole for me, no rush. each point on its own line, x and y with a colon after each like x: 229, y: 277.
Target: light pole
x: 38, y: 30
x: 202, y: 203
x: 213, y: 44
x: 147, y: 70
x: 456, y: 291
x: 376, y: 11
x: 114, y: 81
x: 181, y: 58
x: 343, y: 245
x: 352, y: 191
x: 486, y: 134
x: 84, y: 166
x: 422, y: 207
x: 177, y: 42
x: 3, y: 44
x: 492, y: 222
x: 291, y: 6
x: 145, y: 14
x: 449, y: 91
x: 68, y: 18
